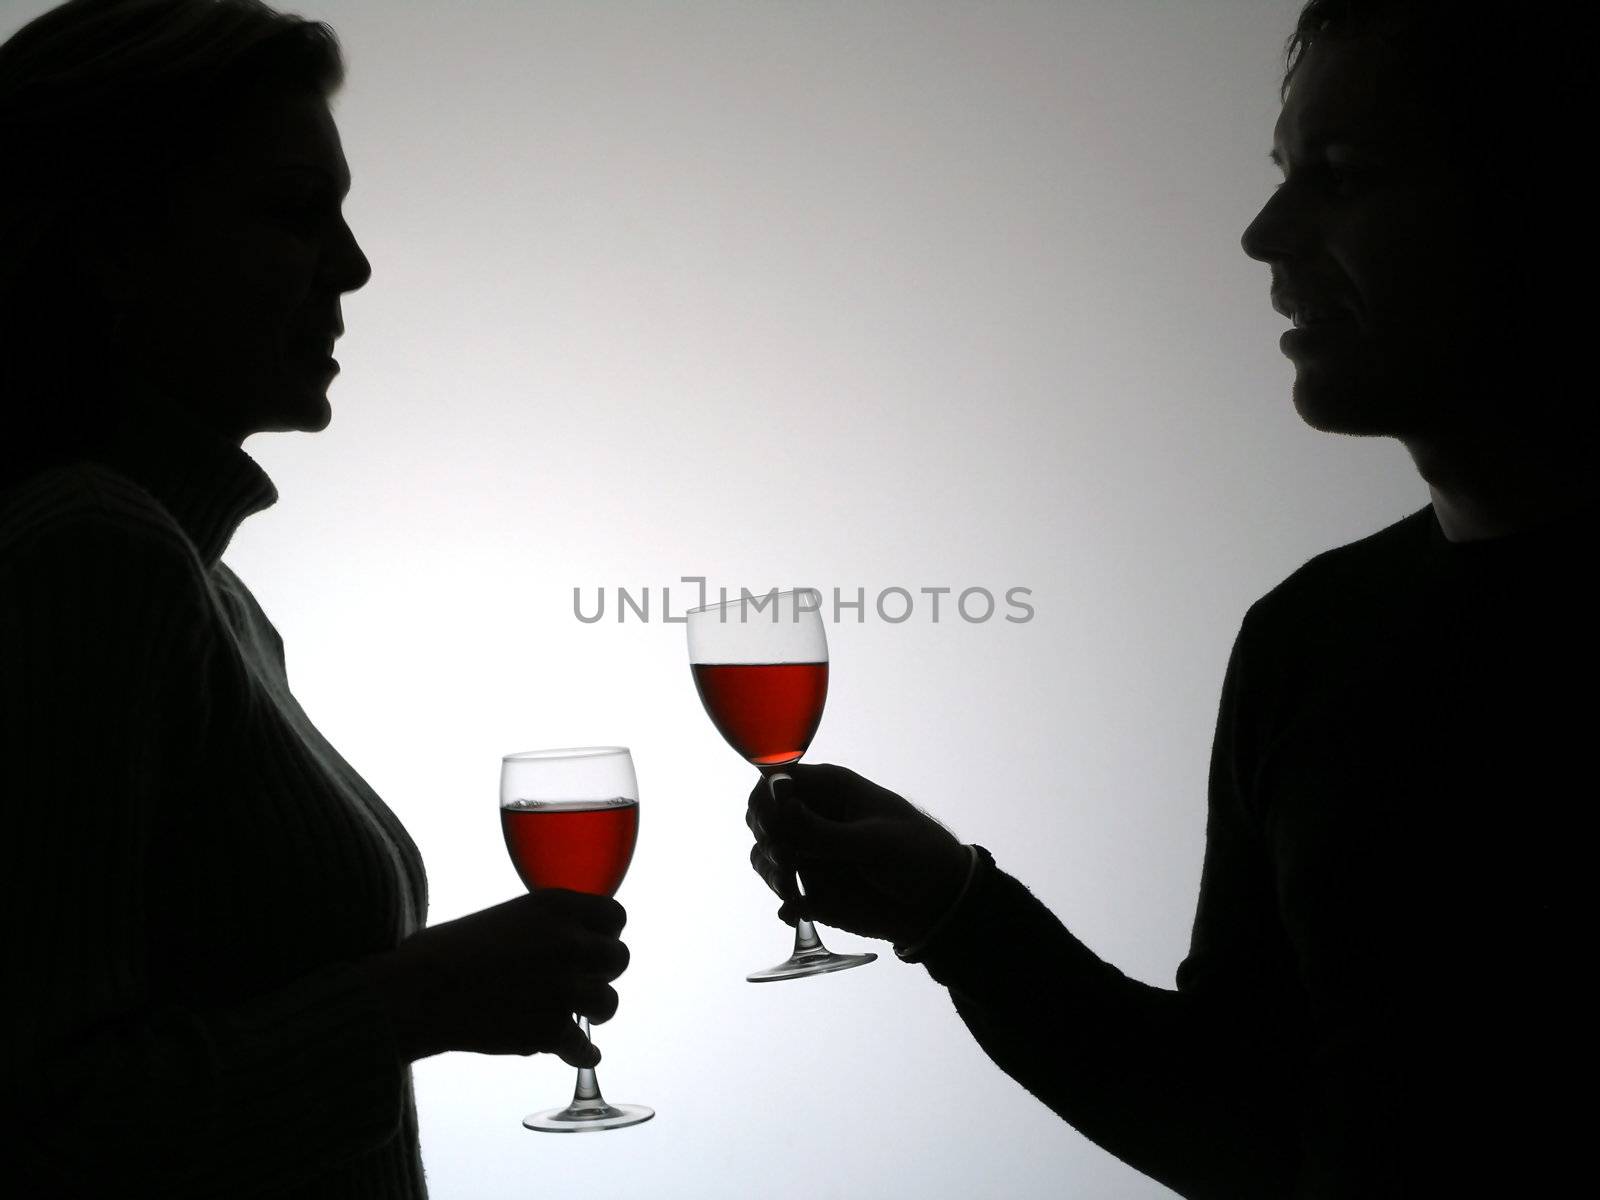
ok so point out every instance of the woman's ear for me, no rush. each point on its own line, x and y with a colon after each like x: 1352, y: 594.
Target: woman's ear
x: 101, y: 259
x: 117, y: 248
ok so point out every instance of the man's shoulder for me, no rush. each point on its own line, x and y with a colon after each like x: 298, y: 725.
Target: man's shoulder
x: 87, y: 504
x: 1348, y: 579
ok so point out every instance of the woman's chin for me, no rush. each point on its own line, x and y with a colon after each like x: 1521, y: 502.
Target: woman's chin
x: 318, y: 418
x: 309, y: 411
x: 307, y: 418
x: 300, y: 404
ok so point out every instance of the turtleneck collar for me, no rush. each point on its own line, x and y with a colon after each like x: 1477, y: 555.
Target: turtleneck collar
x: 207, y: 483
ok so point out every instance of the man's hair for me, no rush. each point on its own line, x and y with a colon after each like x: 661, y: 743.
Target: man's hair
x: 1504, y: 95
x: 1339, y: 17
x: 1478, y: 60
x: 101, y: 101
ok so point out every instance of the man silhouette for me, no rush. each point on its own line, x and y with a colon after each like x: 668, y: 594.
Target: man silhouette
x: 1376, y: 1001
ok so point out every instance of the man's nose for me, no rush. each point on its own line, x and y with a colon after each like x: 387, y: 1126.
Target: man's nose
x: 1279, y: 229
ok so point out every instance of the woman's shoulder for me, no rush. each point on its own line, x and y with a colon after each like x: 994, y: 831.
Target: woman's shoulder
x: 87, y: 507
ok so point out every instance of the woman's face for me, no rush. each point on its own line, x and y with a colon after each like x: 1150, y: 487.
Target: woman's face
x: 231, y: 305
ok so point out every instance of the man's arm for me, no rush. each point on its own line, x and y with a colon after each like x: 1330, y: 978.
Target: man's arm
x: 1197, y: 1087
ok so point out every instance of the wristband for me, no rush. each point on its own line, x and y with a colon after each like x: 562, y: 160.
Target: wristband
x: 913, y: 952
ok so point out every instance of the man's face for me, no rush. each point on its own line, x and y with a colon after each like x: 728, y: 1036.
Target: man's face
x: 232, y: 306
x: 1374, y: 251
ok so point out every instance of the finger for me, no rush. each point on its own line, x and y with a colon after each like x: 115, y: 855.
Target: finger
x: 573, y: 1048
x: 826, y: 883
x: 776, y: 876
x: 762, y: 814
x: 761, y: 864
x: 809, y: 835
x: 603, y: 957
x: 773, y: 808
x: 768, y: 792
x: 573, y: 951
x: 826, y: 791
x: 794, y: 910
x: 760, y: 795
x: 596, y: 1000
x: 840, y: 794
x: 601, y: 914
x: 825, y: 908
x: 774, y: 841
x: 809, y: 779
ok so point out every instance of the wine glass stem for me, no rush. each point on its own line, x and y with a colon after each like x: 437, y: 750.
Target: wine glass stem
x: 805, y: 933
x: 806, y: 940
x: 805, y: 937
x: 587, y: 1093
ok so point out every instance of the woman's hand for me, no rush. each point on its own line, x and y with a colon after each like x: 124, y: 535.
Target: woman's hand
x: 506, y: 979
x: 871, y: 862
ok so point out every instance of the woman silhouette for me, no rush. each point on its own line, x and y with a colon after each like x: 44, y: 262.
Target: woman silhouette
x: 213, y: 922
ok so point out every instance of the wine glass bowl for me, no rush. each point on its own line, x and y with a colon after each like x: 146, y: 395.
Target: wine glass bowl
x: 760, y: 664
x: 768, y: 712
x: 570, y: 819
x: 583, y: 846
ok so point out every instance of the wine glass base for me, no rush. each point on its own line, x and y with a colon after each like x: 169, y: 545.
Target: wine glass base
x: 810, y: 962
x: 592, y: 1118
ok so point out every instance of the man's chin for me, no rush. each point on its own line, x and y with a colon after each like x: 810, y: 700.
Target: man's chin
x: 1359, y: 407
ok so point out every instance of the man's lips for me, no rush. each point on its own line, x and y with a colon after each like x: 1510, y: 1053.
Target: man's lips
x: 1308, y: 314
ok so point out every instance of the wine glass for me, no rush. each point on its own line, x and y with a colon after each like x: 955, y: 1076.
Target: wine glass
x: 570, y: 819
x: 761, y: 666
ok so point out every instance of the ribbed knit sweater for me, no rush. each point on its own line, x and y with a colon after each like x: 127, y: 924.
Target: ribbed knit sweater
x: 190, y: 870
x: 1380, y: 997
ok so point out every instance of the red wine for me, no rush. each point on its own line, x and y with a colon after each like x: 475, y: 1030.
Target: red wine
x: 584, y: 845
x: 767, y: 711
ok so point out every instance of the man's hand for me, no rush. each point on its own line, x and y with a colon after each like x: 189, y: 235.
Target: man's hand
x: 870, y: 861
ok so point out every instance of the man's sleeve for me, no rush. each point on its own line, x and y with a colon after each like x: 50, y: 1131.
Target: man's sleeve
x: 1196, y: 1087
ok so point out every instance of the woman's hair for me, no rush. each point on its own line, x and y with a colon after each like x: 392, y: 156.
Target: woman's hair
x: 101, y: 101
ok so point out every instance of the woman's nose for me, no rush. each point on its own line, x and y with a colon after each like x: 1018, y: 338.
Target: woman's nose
x: 349, y: 268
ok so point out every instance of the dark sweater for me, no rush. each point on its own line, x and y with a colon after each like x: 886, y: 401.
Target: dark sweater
x: 190, y: 870
x: 1378, y: 998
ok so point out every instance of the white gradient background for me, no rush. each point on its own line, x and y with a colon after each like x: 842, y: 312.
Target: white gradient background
x: 854, y: 294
